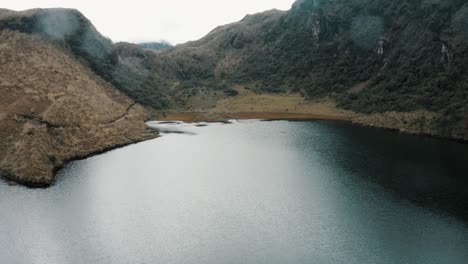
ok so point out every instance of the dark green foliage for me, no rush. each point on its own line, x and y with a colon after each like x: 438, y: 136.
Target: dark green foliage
x: 406, y: 55
x: 366, y: 31
x: 411, y: 53
x: 403, y: 55
x: 142, y: 88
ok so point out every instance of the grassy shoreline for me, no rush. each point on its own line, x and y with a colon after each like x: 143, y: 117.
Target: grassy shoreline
x: 35, y: 158
x: 98, y: 139
x: 251, y: 105
x: 191, y: 117
x: 13, y: 180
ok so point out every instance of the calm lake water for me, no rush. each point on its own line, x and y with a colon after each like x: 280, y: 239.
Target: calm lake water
x: 249, y: 192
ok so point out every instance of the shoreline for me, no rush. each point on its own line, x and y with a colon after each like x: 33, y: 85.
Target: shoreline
x: 12, y: 181
x: 48, y: 150
x: 192, y: 117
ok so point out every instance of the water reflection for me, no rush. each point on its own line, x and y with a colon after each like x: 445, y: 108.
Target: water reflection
x: 250, y: 192
x: 431, y: 172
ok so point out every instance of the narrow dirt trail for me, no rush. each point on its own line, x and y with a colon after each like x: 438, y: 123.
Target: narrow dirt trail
x: 121, y: 116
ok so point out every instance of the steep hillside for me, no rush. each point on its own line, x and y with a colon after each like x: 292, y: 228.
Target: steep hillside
x: 70, y: 29
x: 401, y: 64
x: 67, y: 91
x: 54, y: 109
x: 386, y: 58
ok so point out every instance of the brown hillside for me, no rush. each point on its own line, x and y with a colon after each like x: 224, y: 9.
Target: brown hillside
x: 54, y: 109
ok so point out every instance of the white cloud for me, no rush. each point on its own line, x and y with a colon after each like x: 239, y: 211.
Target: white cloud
x: 144, y: 20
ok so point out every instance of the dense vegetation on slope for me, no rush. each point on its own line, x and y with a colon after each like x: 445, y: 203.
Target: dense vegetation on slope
x: 404, y: 62
x: 372, y: 56
x: 406, y: 54
x: 413, y: 53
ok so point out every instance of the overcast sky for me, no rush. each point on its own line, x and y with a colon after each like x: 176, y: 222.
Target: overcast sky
x: 176, y: 21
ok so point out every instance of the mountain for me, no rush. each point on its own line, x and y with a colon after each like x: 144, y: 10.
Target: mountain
x: 69, y: 92
x: 402, y: 64
x: 54, y: 107
x: 69, y: 28
x: 155, y: 45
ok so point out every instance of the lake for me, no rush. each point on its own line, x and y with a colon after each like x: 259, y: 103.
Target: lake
x: 249, y: 192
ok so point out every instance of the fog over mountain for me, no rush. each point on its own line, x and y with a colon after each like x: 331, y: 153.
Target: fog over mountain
x: 146, y: 21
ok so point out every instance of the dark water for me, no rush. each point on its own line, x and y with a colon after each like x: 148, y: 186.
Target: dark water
x: 250, y: 192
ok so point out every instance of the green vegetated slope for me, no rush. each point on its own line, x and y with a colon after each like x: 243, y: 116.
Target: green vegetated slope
x: 372, y: 56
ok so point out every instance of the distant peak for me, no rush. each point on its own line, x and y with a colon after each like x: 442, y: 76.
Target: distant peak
x: 156, y: 45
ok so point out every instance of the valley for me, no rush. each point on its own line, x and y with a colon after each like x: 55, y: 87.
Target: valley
x: 331, y: 132
x: 68, y: 91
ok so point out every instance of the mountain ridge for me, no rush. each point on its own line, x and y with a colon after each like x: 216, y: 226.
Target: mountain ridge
x: 70, y: 91
x: 371, y: 56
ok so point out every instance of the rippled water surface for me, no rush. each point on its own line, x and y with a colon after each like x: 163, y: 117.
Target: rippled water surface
x: 249, y: 192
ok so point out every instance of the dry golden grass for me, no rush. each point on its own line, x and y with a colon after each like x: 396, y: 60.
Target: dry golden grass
x: 248, y: 101
x: 250, y: 105
x: 54, y: 109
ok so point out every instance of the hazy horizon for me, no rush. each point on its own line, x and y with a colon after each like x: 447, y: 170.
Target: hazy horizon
x: 174, y: 21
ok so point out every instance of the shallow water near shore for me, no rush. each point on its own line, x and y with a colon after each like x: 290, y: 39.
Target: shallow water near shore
x: 249, y: 192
